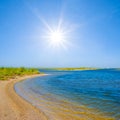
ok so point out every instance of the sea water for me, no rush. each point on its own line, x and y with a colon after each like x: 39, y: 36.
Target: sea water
x: 74, y: 95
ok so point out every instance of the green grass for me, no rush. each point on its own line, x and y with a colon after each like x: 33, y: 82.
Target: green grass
x: 81, y: 68
x: 8, y: 73
x: 71, y: 69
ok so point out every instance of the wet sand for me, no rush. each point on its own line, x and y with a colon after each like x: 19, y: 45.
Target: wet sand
x: 13, y: 107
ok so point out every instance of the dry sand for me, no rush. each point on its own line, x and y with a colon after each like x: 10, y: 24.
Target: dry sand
x: 13, y: 107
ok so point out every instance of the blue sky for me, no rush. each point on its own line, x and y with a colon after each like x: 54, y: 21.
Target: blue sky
x: 93, y: 39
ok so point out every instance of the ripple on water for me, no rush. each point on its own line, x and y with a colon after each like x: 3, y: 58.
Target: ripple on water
x: 90, y: 95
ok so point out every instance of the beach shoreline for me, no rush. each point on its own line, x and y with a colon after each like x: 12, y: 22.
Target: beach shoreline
x: 14, y: 107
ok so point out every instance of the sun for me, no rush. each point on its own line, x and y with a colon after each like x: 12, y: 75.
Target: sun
x: 56, y: 38
x: 57, y: 35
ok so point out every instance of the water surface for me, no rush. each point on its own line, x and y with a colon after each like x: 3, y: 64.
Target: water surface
x: 90, y: 94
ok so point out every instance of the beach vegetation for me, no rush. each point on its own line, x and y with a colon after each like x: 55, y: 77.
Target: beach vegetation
x: 72, y: 69
x: 11, y: 73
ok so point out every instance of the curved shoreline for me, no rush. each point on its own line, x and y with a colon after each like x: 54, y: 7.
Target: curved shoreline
x: 13, y: 107
x: 65, y: 113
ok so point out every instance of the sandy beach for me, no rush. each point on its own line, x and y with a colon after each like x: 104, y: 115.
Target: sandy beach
x: 13, y: 107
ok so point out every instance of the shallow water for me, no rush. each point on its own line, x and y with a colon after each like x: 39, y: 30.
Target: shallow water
x: 75, y: 95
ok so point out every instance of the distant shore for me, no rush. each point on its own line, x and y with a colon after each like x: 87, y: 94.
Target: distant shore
x: 72, y: 69
x: 13, y: 107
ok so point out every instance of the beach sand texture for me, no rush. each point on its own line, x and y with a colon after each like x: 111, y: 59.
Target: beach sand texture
x: 13, y: 107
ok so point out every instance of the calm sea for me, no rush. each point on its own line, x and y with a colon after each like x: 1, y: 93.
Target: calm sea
x: 74, y: 95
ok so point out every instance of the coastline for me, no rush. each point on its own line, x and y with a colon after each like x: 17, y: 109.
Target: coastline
x: 13, y: 107
x: 59, y: 109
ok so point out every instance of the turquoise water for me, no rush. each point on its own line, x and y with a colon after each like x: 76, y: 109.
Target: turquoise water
x: 96, y: 90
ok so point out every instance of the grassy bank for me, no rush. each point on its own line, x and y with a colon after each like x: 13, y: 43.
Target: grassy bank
x: 81, y: 68
x: 72, y: 69
x: 9, y: 73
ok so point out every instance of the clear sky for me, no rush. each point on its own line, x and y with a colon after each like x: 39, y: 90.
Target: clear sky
x: 92, y: 33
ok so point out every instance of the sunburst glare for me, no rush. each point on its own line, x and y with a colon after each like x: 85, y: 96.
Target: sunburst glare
x: 57, y: 39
